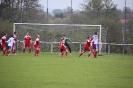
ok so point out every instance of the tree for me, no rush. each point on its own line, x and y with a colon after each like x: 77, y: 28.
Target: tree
x: 97, y: 9
x: 129, y: 29
x: 105, y: 13
x: 58, y: 13
x: 67, y: 12
x: 28, y: 10
x: 128, y: 13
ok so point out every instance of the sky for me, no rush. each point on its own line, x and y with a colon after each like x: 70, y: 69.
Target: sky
x: 63, y: 4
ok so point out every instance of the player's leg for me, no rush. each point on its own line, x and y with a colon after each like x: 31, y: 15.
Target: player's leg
x: 62, y: 52
x: 29, y: 46
x: 25, y: 45
x: 81, y: 53
x: 68, y: 47
x: 14, y: 49
x: 66, y: 53
x: 93, y: 49
x: 4, y: 49
x: 89, y: 53
x: 38, y: 50
x: 96, y: 50
x: 35, y: 53
x: 85, y: 49
x: 9, y: 50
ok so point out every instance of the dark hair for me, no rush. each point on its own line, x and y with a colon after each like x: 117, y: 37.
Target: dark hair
x: 96, y: 33
x: 15, y: 32
x: 64, y: 35
x: 11, y: 35
x: 5, y: 33
x: 88, y: 37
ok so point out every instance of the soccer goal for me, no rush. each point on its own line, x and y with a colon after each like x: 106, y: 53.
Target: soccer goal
x: 52, y: 33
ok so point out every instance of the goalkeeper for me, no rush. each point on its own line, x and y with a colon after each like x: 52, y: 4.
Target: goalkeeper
x: 67, y: 40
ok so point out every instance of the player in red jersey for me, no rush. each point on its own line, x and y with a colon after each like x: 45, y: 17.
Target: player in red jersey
x: 27, y: 42
x: 86, y: 47
x: 63, y: 48
x: 3, y: 43
x: 16, y: 40
x: 36, y: 45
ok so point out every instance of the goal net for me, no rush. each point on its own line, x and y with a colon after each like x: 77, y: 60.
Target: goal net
x: 51, y: 34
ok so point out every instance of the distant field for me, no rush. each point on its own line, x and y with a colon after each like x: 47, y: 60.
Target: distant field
x: 49, y: 70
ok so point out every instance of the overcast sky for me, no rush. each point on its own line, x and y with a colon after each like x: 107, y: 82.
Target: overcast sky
x: 62, y: 4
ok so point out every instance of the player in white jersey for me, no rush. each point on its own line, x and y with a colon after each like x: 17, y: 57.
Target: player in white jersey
x: 10, y: 42
x: 95, y: 40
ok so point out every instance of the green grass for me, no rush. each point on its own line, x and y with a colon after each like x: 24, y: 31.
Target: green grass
x: 49, y: 70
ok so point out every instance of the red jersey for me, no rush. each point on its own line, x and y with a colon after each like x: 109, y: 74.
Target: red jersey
x: 3, y: 40
x: 27, y: 39
x: 87, y: 45
x: 37, y: 42
x: 15, y: 38
x: 88, y: 41
x: 62, y: 44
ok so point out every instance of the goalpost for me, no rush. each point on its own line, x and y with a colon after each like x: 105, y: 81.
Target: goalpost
x: 51, y: 34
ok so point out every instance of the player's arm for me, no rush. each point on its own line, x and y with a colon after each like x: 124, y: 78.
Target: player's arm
x: 69, y: 40
x: 24, y: 40
x: 91, y: 41
x: 7, y: 41
x: 17, y: 40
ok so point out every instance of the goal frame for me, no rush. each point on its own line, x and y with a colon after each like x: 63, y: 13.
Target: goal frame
x: 85, y: 25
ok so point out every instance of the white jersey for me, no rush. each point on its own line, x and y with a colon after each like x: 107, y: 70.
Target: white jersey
x: 11, y: 41
x: 95, y: 39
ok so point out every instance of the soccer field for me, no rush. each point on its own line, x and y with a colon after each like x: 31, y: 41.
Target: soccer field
x: 49, y: 70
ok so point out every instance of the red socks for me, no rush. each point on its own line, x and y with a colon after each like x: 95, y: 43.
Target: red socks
x: 14, y: 51
x: 23, y: 50
x: 4, y: 51
x: 8, y: 52
x: 81, y: 54
x: 63, y: 54
x: 37, y: 52
x: 66, y: 54
x: 95, y: 53
x: 29, y: 50
x: 89, y: 55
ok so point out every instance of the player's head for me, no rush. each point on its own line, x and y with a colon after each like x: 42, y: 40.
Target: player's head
x: 27, y: 33
x: 95, y: 33
x: 11, y: 35
x: 38, y: 36
x: 5, y: 34
x: 88, y: 37
x: 15, y: 32
x: 64, y: 36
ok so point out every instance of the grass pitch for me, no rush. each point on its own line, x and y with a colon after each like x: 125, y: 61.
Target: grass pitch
x: 49, y: 70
